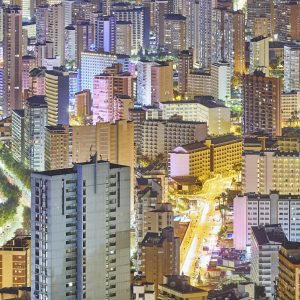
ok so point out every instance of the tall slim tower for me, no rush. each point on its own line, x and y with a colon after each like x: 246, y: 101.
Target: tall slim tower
x: 12, y: 59
x: 56, y: 30
x: 81, y: 232
x: 205, y: 32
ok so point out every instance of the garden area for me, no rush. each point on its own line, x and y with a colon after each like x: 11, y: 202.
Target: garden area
x: 14, y: 167
x: 12, y: 195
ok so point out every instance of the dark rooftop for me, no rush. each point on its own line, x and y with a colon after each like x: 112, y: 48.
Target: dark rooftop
x: 180, y: 283
x: 37, y: 101
x: 174, y: 17
x: 19, y: 112
x: 194, y: 146
x: 225, y: 139
x: 18, y: 243
x: 56, y: 128
x: 207, y: 101
x: 258, y: 38
x: 269, y: 234
x: 152, y: 239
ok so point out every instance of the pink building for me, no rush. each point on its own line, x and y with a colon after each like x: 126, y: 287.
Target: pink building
x: 103, y: 97
x: 28, y: 63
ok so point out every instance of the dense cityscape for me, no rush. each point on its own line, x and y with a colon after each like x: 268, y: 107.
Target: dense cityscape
x: 150, y: 149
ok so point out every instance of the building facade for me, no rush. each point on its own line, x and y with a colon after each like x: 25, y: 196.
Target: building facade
x: 95, y: 241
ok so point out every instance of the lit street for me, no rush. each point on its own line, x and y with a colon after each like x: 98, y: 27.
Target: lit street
x: 208, y: 226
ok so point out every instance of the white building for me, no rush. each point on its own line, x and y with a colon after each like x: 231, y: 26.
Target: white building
x: 160, y: 137
x: 17, y: 135
x: 35, y: 120
x: 201, y: 109
x: 291, y: 68
x: 81, y: 232
x: 290, y: 103
x: 259, y: 209
x: 271, y: 170
x: 265, y: 244
x: 94, y: 63
x: 144, y: 68
x: 259, y: 54
x: 221, y: 81
x: 70, y: 44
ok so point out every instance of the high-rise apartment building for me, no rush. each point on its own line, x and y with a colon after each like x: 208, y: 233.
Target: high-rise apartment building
x: 160, y: 255
x: 123, y: 37
x: 161, y: 82
x: 221, y: 81
x: 84, y: 38
x: 174, y: 33
x: 265, y: 244
x: 103, y: 98
x: 287, y: 21
x: 144, y: 82
x: 269, y: 170
x: 291, y: 67
x: 28, y: 64
x: 94, y: 63
x: 105, y: 33
x: 139, y: 17
x: 260, y: 209
x: 15, y: 262
x: 12, y: 59
x: 198, y: 83
x: 290, y: 103
x: 35, y: 120
x: 217, y: 155
x: 83, y: 104
x: 228, y: 39
x: 205, y: 32
x: 42, y: 23
x: 261, y: 104
x: 56, y: 30
x: 288, y: 287
x: 185, y: 65
x: 259, y: 54
x: 70, y: 45
x: 81, y: 232
x: 112, y: 142
x: 17, y: 135
x: 261, y: 17
x: 56, y: 147
x: 160, y: 137
x: 57, y: 97
x: 106, y: 89
x: 202, y: 109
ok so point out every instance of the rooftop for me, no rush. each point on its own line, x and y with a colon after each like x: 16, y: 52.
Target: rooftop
x: 37, y: 101
x: 18, y: 243
x: 174, y: 17
x: 180, y: 283
x: 207, y: 101
x: 225, y: 139
x: 19, y: 112
x: 56, y: 128
x: 269, y: 234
